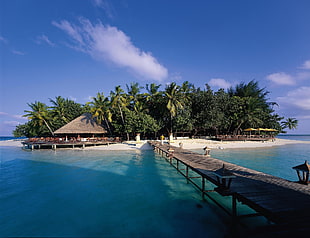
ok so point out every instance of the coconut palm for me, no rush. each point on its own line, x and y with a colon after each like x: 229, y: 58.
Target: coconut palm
x: 39, y: 115
x: 135, y: 97
x: 174, y: 101
x: 59, y: 109
x: 290, y: 123
x: 119, y: 101
x: 100, y: 108
x: 153, y: 89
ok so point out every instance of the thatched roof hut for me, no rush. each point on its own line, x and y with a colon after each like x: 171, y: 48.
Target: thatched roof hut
x: 83, y: 124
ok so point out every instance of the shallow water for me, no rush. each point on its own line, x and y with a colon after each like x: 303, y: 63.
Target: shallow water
x: 76, y: 193
x: 99, y: 194
x: 277, y: 160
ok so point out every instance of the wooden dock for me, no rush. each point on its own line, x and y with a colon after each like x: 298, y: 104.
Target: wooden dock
x: 57, y: 145
x: 284, y: 203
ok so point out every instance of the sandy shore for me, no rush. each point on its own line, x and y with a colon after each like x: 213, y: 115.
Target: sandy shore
x: 187, y: 144
x: 201, y: 143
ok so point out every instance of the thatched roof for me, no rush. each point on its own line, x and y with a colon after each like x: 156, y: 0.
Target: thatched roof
x: 84, y: 124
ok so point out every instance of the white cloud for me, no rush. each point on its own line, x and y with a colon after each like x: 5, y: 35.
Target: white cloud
x: 4, y: 40
x: 176, y: 76
x: 11, y: 123
x: 306, y: 65
x: 304, y: 117
x: 5, y: 114
x: 281, y: 78
x: 44, y: 39
x: 218, y: 82
x: 106, y: 6
x: 72, y: 31
x: 73, y: 98
x: 110, y: 44
x: 16, y: 52
x: 299, y: 98
x: 303, y: 76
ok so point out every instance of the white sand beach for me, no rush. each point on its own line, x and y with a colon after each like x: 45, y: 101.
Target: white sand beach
x: 187, y: 144
x: 201, y: 143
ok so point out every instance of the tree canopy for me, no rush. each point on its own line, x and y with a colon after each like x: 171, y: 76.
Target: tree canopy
x: 151, y: 111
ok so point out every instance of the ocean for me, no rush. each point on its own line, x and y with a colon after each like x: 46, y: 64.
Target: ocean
x: 76, y: 193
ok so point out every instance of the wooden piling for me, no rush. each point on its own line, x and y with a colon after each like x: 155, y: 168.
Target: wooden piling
x: 279, y: 200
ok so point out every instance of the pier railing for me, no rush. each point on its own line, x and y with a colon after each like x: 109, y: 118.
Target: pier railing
x: 282, y: 202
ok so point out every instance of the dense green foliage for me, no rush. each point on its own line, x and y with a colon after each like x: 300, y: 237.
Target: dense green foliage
x: 181, y: 109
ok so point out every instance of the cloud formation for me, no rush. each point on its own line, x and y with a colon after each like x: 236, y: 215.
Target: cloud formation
x: 218, y: 82
x: 306, y: 65
x: 44, y: 39
x: 106, y: 6
x: 16, y: 52
x: 299, y: 98
x: 110, y: 44
x: 5, y: 114
x: 281, y: 78
x: 4, y: 40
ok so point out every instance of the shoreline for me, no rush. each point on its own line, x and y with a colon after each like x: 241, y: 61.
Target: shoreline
x: 187, y: 144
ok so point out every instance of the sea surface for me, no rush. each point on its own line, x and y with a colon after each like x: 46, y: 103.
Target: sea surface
x: 276, y: 160
x: 77, y: 193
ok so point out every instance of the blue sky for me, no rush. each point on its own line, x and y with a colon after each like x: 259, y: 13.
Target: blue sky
x: 75, y: 49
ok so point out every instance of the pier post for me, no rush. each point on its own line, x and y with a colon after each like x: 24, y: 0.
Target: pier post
x: 234, y: 207
x: 203, y: 186
x: 187, y: 174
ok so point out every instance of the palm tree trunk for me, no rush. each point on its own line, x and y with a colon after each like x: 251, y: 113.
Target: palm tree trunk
x: 123, y: 120
x: 108, y: 126
x: 48, y: 127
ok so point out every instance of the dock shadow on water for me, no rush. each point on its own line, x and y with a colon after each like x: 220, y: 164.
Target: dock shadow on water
x: 99, y: 194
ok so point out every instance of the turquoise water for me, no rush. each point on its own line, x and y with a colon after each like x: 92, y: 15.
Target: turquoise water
x: 276, y: 160
x: 99, y: 194
x: 76, y: 193
x: 294, y: 137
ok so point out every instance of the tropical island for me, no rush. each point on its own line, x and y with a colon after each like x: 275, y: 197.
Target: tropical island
x: 178, y: 110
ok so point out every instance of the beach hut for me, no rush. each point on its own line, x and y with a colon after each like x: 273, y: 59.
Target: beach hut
x: 250, y: 130
x: 84, y: 126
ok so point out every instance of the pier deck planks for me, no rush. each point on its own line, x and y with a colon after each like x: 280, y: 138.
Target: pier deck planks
x: 280, y: 200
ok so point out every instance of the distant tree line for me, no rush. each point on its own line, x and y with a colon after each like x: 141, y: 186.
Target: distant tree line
x: 178, y: 109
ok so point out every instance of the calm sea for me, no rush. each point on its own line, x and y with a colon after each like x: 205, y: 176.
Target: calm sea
x: 76, y: 193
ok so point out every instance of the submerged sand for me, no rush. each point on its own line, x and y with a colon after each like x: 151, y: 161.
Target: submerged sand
x: 187, y: 144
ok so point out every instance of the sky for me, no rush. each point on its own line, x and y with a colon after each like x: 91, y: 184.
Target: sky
x: 77, y: 48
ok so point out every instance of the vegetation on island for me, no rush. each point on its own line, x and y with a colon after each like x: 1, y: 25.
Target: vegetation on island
x: 179, y: 109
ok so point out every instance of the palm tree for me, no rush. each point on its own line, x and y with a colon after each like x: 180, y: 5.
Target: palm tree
x: 135, y: 98
x: 101, y: 109
x: 250, y: 113
x: 59, y: 109
x: 119, y: 101
x: 174, y: 101
x: 38, y: 115
x: 290, y: 123
x: 153, y: 89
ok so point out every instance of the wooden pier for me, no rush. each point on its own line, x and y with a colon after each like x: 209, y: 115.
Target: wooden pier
x: 284, y: 203
x: 58, y: 145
